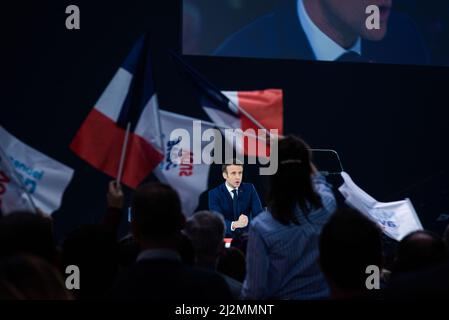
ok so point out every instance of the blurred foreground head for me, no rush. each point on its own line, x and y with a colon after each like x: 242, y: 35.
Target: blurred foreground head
x: 157, y: 218
x: 420, y: 250
x: 27, y: 233
x: 206, y: 231
x: 349, y: 243
x: 94, y: 249
x: 27, y: 277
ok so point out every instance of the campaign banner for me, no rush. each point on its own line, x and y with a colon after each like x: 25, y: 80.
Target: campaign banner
x: 29, y: 178
x: 396, y: 219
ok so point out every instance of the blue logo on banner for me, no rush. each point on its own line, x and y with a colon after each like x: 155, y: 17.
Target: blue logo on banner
x: 168, y: 164
x: 383, y: 219
x: 29, y: 176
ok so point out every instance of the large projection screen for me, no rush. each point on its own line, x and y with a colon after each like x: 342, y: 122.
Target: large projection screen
x: 400, y: 32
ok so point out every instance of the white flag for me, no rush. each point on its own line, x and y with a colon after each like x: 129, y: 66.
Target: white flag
x: 397, y: 219
x: 44, y: 178
x: 187, y: 178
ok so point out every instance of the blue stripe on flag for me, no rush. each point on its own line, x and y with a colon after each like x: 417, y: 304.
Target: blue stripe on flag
x: 139, y: 64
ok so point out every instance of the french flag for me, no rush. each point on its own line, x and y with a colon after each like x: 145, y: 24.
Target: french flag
x: 128, y: 101
x: 261, y: 109
x: 263, y: 106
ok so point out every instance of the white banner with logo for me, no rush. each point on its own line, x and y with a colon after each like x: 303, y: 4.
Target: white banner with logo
x: 397, y: 219
x: 44, y: 178
x: 187, y: 178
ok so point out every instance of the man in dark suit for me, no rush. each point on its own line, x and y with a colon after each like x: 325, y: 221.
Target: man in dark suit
x: 238, y: 202
x: 159, y: 273
x: 329, y: 30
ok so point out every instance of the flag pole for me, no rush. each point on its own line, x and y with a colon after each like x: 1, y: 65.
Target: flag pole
x: 182, y: 116
x: 158, y: 124
x: 123, y: 154
x: 249, y: 116
x: 20, y: 182
x: 253, y: 120
x: 208, y: 123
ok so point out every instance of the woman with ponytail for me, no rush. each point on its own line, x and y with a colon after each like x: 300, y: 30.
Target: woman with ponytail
x: 282, y: 252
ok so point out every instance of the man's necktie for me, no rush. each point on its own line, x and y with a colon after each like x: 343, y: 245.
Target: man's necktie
x: 351, y: 56
x: 235, y: 204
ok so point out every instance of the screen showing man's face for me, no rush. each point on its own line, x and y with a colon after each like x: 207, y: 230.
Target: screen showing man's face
x: 350, y: 16
x: 378, y: 31
x: 233, y: 175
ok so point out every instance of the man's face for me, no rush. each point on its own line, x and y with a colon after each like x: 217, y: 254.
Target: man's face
x: 233, y: 175
x: 350, y: 16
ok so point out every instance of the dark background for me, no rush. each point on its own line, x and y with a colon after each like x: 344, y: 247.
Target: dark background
x: 389, y: 123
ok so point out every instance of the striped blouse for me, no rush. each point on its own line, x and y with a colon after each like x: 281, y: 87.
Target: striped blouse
x: 282, y: 260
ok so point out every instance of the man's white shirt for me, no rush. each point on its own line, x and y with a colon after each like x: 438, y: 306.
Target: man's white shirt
x: 324, y: 48
x: 230, y: 189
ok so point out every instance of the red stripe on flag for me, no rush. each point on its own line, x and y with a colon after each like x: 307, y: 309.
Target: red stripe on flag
x: 267, y: 107
x: 99, y: 142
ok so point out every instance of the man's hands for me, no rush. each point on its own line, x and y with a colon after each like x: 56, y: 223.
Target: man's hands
x: 114, y: 196
x: 242, y: 222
